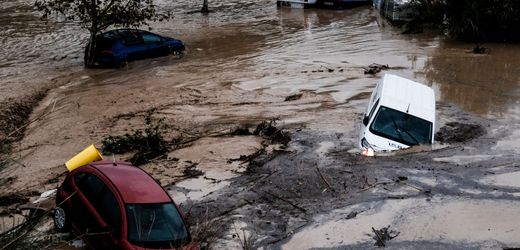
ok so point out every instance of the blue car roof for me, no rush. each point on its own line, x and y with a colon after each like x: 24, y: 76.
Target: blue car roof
x: 117, y: 34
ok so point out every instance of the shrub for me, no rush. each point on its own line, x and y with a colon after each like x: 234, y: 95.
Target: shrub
x: 473, y: 21
x: 146, y: 144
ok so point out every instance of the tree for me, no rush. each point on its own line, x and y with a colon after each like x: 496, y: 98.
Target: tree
x: 205, y: 8
x: 470, y: 20
x: 98, y: 15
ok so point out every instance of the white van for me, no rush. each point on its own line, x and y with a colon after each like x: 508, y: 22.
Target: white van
x: 401, y: 113
x: 296, y: 3
x: 396, y: 10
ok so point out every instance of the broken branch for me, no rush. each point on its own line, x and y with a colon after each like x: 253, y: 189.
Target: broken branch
x: 287, y: 201
x: 325, y: 180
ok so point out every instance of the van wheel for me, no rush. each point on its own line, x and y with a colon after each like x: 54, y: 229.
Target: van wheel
x: 61, y: 220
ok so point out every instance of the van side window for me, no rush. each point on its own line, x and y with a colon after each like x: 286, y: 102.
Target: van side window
x: 373, y: 109
x: 376, y: 91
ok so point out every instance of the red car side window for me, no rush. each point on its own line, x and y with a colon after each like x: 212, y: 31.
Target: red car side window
x: 102, y: 198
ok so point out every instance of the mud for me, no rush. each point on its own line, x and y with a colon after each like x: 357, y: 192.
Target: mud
x: 9, y: 200
x: 14, y: 118
x: 244, y: 60
x: 288, y: 204
x: 453, y: 132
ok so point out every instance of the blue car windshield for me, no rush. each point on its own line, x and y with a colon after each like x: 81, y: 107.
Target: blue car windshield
x: 155, y: 225
x: 401, y: 127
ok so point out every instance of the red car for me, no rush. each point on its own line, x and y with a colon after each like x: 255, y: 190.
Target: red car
x: 119, y: 206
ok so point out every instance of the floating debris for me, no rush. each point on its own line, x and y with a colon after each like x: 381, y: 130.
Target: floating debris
x: 268, y: 130
x: 480, y: 50
x: 293, y: 97
x: 383, y: 235
x: 459, y: 132
x: 375, y: 68
x: 192, y: 171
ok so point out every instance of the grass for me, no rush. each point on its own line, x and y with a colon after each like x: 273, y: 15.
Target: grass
x: 204, y: 229
x: 245, y: 239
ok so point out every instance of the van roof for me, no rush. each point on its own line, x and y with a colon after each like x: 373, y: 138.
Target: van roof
x: 406, y: 95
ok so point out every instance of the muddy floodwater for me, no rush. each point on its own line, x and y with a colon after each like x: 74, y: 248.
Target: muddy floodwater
x: 243, y: 61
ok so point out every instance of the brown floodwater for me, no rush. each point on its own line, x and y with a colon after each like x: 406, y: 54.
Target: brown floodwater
x: 254, y: 45
x: 243, y: 59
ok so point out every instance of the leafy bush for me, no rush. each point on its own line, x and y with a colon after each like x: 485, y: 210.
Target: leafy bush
x: 470, y: 20
x: 146, y: 144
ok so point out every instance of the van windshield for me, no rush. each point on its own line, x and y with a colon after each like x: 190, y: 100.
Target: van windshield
x: 401, y: 127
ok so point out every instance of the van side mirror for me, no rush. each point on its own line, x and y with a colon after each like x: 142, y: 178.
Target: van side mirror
x: 365, y: 120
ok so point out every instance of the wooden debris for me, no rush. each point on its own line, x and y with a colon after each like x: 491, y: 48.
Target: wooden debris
x: 383, y: 235
x: 325, y: 180
x: 287, y: 201
x: 375, y: 68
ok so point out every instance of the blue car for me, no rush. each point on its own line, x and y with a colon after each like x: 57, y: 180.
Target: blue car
x: 117, y: 47
x: 343, y: 3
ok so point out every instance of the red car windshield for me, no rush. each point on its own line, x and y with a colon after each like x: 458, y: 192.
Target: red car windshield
x: 155, y: 225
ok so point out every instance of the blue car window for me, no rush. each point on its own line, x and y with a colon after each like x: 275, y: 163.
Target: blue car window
x: 132, y: 39
x: 151, y: 38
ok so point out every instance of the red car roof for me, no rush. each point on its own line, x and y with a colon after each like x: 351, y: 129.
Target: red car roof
x: 133, y: 183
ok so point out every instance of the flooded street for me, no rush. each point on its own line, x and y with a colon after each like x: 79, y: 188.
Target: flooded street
x: 242, y: 63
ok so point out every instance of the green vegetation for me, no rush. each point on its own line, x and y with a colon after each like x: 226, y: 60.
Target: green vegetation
x: 470, y: 20
x: 146, y: 144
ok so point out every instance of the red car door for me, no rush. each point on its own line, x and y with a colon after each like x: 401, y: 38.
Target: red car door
x: 90, y: 213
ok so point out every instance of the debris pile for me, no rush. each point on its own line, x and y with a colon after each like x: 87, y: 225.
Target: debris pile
x: 479, y: 50
x: 293, y: 97
x: 268, y: 130
x: 383, y: 235
x: 459, y: 132
x: 375, y: 68
x: 146, y: 144
x: 192, y: 171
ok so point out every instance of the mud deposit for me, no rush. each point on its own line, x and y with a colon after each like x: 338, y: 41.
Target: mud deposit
x: 303, y: 184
